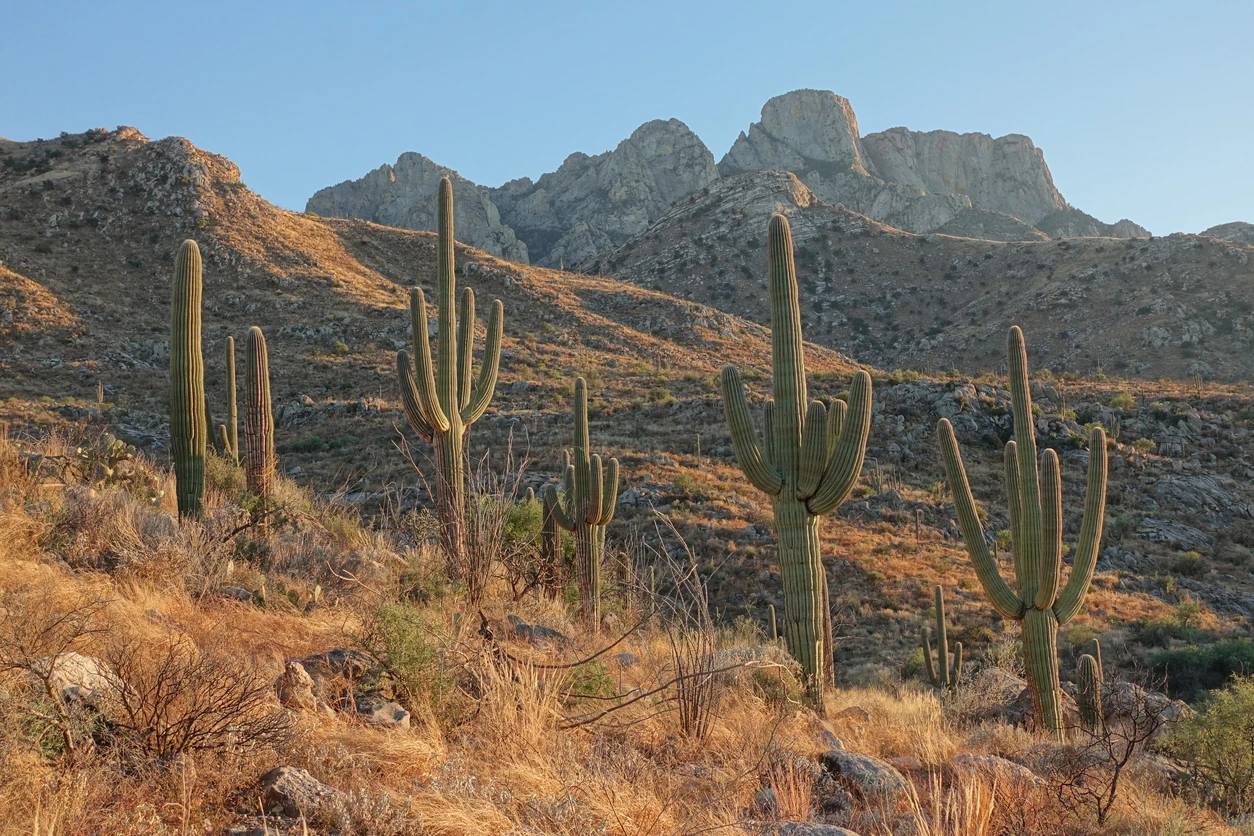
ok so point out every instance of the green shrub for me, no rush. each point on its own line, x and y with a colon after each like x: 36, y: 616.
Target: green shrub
x: 1122, y: 401
x: 1189, y: 565
x: 1191, y: 670
x: 1219, y: 745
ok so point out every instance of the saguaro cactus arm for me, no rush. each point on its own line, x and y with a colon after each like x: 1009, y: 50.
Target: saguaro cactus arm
x: 1051, y: 531
x: 813, y: 450
x: 489, y: 367
x: 609, y: 493
x: 845, y: 464
x: 409, y: 398
x: 465, y: 347
x: 764, y: 477
x: 1071, y: 599
x: 424, y: 383
x: 1004, y: 599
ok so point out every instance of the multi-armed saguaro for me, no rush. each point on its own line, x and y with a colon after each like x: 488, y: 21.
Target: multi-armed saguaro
x: 810, y: 463
x: 945, y: 672
x: 189, y: 429
x: 585, y: 505
x: 1035, y: 501
x: 258, y: 418
x: 438, y: 398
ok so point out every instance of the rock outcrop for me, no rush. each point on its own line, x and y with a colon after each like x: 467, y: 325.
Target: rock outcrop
x: 1235, y: 231
x: 404, y: 195
x: 593, y: 204
x: 934, y: 181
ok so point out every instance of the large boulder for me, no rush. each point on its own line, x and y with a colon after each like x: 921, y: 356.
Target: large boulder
x: 291, y: 791
x: 875, y: 781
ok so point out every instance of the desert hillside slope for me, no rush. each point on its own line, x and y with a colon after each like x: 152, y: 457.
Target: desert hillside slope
x: 1178, y: 306
x: 88, y: 227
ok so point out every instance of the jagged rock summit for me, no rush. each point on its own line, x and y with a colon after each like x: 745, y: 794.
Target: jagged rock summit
x: 593, y: 204
x: 403, y: 195
x: 968, y: 185
x: 1235, y: 231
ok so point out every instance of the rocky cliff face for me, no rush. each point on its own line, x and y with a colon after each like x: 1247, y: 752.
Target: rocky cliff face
x: 969, y: 185
x: 916, y: 181
x: 593, y: 204
x: 404, y: 196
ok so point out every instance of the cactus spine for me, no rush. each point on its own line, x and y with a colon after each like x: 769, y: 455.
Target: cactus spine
x: 439, y: 401
x: 189, y: 429
x: 258, y: 418
x: 811, y: 460
x: 1089, y: 679
x: 232, y: 421
x: 946, y: 671
x: 589, y: 495
x: 1035, y: 502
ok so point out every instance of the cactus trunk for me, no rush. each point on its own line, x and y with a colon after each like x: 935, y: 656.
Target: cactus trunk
x: 808, y: 465
x: 189, y: 429
x: 946, y: 671
x: 258, y: 419
x: 442, y: 399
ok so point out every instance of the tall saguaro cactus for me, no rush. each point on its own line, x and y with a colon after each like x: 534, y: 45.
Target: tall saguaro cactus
x: 585, y: 506
x: 1041, y: 602
x: 232, y: 406
x: 258, y: 417
x: 810, y: 462
x: 439, y: 400
x: 946, y: 671
x: 189, y: 429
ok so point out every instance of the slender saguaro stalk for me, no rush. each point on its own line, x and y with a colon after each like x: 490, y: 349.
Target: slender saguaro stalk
x: 232, y: 422
x: 808, y: 466
x: 585, y: 506
x: 259, y: 457
x: 439, y: 400
x: 946, y: 671
x: 1041, y: 602
x: 189, y: 430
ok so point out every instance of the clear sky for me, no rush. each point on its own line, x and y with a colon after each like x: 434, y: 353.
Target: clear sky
x: 1144, y: 109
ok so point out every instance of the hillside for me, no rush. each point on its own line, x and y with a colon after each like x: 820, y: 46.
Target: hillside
x: 1177, y: 307
x: 88, y: 226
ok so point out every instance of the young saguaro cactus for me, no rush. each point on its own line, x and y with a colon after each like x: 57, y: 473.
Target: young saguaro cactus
x: 945, y: 672
x: 585, y: 506
x: 439, y: 399
x: 232, y: 422
x: 1041, y: 602
x: 551, y: 572
x: 259, y: 457
x: 189, y: 429
x: 810, y: 462
x: 1089, y: 679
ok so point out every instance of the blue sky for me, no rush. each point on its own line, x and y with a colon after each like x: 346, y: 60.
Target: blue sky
x: 1144, y: 109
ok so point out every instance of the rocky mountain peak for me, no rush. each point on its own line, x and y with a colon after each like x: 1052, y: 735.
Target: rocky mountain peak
x: 403, y: 195
x: 804, y: 127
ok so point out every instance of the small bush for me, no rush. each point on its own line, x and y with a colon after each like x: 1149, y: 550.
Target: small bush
x: 1189, y: 565
x: 1191, y: 670
x: 1122, y: 401
x: 1219, y: 745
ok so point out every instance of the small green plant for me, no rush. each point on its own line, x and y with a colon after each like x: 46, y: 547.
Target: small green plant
x: 1122, y: 401
x: 1219, y: 744
x: 339, y: 348
x: 1189, y: 565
